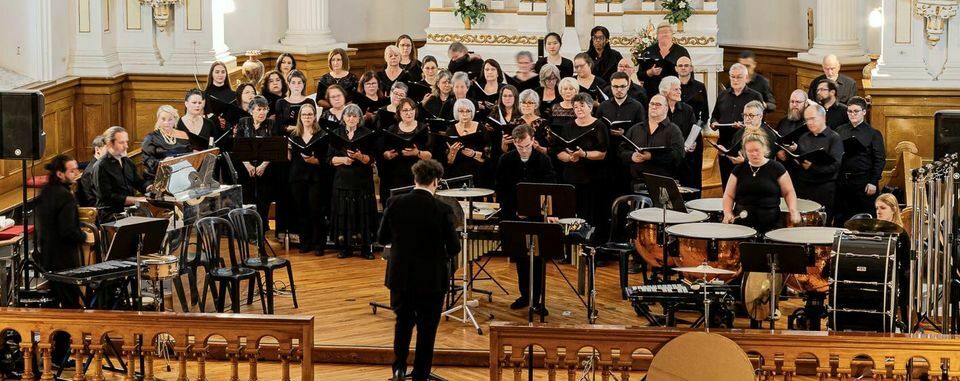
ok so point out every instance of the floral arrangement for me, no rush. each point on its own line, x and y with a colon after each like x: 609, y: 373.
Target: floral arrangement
x: 470, y: 11
x: 646, y: 37
x: 679, y: 10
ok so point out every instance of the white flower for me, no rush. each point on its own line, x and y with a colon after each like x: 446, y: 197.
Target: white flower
x: 682, y: 4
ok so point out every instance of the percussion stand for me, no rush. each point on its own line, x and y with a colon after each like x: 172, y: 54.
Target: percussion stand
x: 466, y: 302
x: 773, y: 258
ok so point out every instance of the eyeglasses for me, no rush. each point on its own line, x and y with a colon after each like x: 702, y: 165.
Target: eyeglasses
x: 407, y: 110
x: 745, y: 115
x: 465, y: 111
x: 853, y: 111
x: 656, y: 104
x: 528, y: 103
x: 620, y: 86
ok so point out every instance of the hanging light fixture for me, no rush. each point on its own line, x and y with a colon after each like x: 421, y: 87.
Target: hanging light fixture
x: 161, y: 11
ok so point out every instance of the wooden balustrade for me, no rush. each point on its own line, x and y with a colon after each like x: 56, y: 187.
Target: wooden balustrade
x: 620, y: 350
x: 184, y: 337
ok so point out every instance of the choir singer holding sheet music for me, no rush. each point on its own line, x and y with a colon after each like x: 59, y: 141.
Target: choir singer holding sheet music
x: 819, y: 162
x: 654, y: 146
x: 862, y: 164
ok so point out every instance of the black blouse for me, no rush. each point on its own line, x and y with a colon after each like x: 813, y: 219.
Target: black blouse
x: 222, y: 93
x: 760, y: 190
x: 386, y: 83
x: 369, y: 105
x: 463, y: 165
x: 300, y: 170
x: 652, y: 56
x: 584, y: 171
x: 398, y: 169
x: 595, y: 89
x: 287, y: 112
x: 566, y: 66
x: 358, y: 176
x: 155, y: 148
x: 414, y: 70
x: 201, y: 141
x: 547, y: 105
x: 245, y: 129
x: 348, y: 82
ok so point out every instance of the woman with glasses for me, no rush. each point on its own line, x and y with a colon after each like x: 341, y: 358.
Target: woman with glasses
x: 548, y: 92
x: 551, y: 45
x: 387, y: 115
x: 309, y: 181
x: 563, y: 112
x: 497, y: 126
x: 530, y: 116
x: 353, y: 210
x: 604, y: 57
x: 401, y: 146
x: 589, y: 83
x: 465, y: 156
x: 408, y: 58
x: 369, y: 96
x: 442, y: 91
x: 582, y: 163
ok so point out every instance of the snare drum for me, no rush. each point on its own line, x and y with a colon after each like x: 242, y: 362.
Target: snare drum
x: 714, y: 243
x: 811, y: 213
x: 161, y: 267
x: 817, y: 241
x: 710, y: 206
x: 649, y: 226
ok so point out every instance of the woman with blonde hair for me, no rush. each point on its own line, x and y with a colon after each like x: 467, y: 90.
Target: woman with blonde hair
x: 755, y: 187
x: 165, y: 141
x: 888, y: 209
x: 392, y: 73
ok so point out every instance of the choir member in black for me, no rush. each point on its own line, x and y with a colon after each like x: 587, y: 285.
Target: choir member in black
x: 818, y: 182
x: 461, y: 89
x: 165, y: 141
x: 463, y: 159
x: 582, y: 166
x: 116, y: 178
x: 635, y: 90
x: 462, y: 60
x: 387, y: 115
x: 529, y: 115
x: 497, y: 126
x: 792, y: 121
x: 753, y: 124
x: 682, y: 115
x: 408, y: 58
x: 656, y: 131
x: 199, y: 129
x: 524, y: 78
x: 430, y: 71
x: 392, y: 72
x: 58, y: 227
x: 846, y: 86
x: 285, y: 64
x: 523, y: 164
x: 860, y: 170
x: 274, y: 88
x: 562, y: 112
x: 442, y: 91
x: 619, y: 112
x: 419, y: 228
x: 755, y: 186
x: 256, y: 177
x: 336, y: 99
x: 393, y: 162
x: 653, y: 67
x: 354, y: 205
x: 486, y: 88
x: 218, y: 85
x: 86, y: 194
x: 692, y: 91
x: 756, y: 81
x: 245, y: 94
x: 309, y: 181
x: 727, y: 114
x: 370, y: 98
x: 589, y: 83
x: 827, y: 97
x: 288, y: 107
x: 548, y: 93
x: 551, y: 45
x: 339, y: 74
x: 605, y: 59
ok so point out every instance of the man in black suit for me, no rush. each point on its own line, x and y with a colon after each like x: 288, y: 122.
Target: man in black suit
x: 420, y: 229
x: 116, y: 179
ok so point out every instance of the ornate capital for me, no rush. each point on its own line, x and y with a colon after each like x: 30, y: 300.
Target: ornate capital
x: 935, y: 14
x: 692, y: 41
x: 483, y: 39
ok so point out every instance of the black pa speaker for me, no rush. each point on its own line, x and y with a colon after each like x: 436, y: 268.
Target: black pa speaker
x: 946, y: 133
x: 21, y: 125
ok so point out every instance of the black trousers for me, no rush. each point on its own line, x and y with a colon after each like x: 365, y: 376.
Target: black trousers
x: 851, y: 200
x: 823, y: 193
x: 311, y: 211
x: 523, y: 277
x: 258, y: 191
x: 420, y: 309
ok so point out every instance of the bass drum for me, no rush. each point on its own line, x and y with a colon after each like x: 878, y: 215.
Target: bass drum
x: 863, y: 296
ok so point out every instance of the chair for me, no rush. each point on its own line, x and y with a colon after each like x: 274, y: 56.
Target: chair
x: 211, y: 231
x: 174, y: 241
x: 619, y: 242
x: 246, y: 223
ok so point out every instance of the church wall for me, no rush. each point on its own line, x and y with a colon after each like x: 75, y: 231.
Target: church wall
x: 19, y: 45
x: 378, y: 20
x: 256, y: 25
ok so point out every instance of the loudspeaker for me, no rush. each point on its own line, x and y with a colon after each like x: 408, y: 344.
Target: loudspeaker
x: 21, y: 125
x: 946, y: 133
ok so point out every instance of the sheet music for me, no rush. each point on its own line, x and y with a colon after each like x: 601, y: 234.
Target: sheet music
x: 692, y: 137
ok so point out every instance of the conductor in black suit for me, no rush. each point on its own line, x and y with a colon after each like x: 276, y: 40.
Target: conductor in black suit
x: 420, y: 229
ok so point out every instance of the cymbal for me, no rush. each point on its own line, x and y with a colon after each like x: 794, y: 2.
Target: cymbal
x: 465, y: 192
x: 704, y: 269
x: 874, y: 225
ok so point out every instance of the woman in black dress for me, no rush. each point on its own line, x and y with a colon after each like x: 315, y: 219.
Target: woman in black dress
x: 387, y: 115
x: 395, y: 158
x: 339, y: 74
x: 354, y: 205
x: 589, y: 83
x: 562, y: 112
x: 461, y: 88
x: 307, y: 176
x: 392, y: 73
x: 256, y: 176
x: 218, y: 85
x: 370, y: 98
x: 529, y: 115
x: 604, y: 57
x: 465, y: 159
x: 548, y: 92
x: 442, y: 91
x: 274, y: 88
x: 582, y: 164
x: 552, y: 45
x: 285, y: 64
x: 430, y: 71
x: 288, y: 107
x: 199, y: 129
x: 165, y: 141
x: 524, y: 78
x: 408, y: 58
x: 498, y: 126
x: 756, y: 186
x: 487, y: 88
x: 336, y: 98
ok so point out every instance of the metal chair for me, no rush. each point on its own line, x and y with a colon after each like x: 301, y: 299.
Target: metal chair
x: 211, y: 231
x: 247, y: 225
x: 620, y: 242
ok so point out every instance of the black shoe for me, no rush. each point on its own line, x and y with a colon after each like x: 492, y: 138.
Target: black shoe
x: 343, y: 254
x: 399, y: 375
x: 541, y: 310
x: 320, y: 251
x: 521, y: 302
x: 369, y: 256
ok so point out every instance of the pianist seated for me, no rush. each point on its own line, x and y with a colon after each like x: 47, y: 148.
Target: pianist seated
x: 165, y: 141
x: 117, y: 180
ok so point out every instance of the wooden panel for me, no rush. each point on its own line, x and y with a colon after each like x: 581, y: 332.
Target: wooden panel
x: 907, y: 115
x: 143, y: 94
x: 775, y: 66
x: 807, y: 71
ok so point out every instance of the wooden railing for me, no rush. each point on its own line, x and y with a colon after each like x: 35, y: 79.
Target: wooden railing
x: 190, y: 336
x: 620, y: 350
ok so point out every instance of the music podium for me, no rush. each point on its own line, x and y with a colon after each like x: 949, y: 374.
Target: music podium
x: 774, y: 259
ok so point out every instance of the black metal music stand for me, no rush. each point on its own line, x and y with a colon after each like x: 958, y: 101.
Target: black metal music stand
x: 266, y: 148
x: 665, y: 194
x: 773, y: 258
x: 134, y: 236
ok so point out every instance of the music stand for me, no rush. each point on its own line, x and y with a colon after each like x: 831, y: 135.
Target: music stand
x: 138, y: 234
x: 773, y: 258
x: 665, y: 194
x: 265, y: 148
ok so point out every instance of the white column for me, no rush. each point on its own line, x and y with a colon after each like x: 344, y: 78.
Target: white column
x: 837, y: 26
x: 308, y: 28
x: 95, y: 50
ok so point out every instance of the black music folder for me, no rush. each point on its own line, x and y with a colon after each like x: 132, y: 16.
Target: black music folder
x: 818, y: 156
x: 853, y: 146
x: 229, y: 111
x: 617, y: 124
x: 439, y: 124
x: 729, y: 152
x: 417, y: 90
x: 642, y: 149
x: 314, y: 148
x: 532, y: 83
x: 788, y: 139
x: 393, y: 141
x: 470, y: 140
x: 341, y: 142
x: 572, y: 144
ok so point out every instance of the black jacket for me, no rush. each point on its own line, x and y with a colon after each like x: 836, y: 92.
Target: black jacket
x: 420, y: 229
x: 114, y: 183
x: 512, y: 171
x: 58, y: 228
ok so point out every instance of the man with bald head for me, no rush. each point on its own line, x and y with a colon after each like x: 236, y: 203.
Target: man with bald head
x: 727, y: 115
x: 818, y: 182
x: 635, y: 92
x: 846, y: 86
x: 692, y: 91
x: 794, y: 118
x: 656, y: 131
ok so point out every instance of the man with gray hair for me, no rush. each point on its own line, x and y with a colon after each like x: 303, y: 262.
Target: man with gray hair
x: 756, y: 81
x: 818, y: 182
x: 727, y: 114
x: 846, y: 86
x: 682, y: 115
